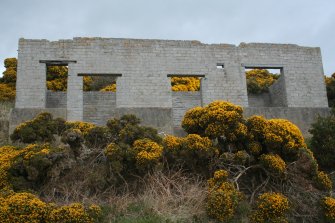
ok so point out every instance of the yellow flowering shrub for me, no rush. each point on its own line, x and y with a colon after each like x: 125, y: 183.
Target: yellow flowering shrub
x: 185, y: 83
x: 191, y: 122
x: 147, y: 153
x: 283, y: 137
x: 274, y: 164
x: 7, y: 156
x: 270, y: 207
x: 192, y: 152
x: 219, y: 119
x: 84, y: 127
x: 7, y: 93
x: 23, y: 207
x: 255, y: 148
x: 26, y: 207
x: 259, y: 80
x: 220, y: 176
x: 328, y: 205
x: 323, y: 182
x: 241, y: 157
x: 257, y: 127
x: 73, y: 213
x: 111, y: 87
x: 223, y: 198
x: 115, y: 156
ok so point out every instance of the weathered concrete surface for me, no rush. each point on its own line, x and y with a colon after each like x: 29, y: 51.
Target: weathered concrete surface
x: 145, y: 64
x: 19, y: 115
x: 144, y: 87
x: 160, y: 118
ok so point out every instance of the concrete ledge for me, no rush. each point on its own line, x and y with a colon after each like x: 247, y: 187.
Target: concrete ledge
x: 160, y: 118
x: 19, y: 115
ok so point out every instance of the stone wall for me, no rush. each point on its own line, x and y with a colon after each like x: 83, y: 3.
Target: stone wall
x: 183, y: 101
x: 260, y: 100
x: 144, y: 86
x: 277, y: 93
x: 56, y: 99
x: 99, y: 106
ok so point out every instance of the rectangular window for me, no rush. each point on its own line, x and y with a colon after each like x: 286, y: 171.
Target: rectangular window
x: 185, y: 82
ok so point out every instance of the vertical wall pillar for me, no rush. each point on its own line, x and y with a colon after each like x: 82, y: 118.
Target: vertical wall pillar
x: 74, y: 94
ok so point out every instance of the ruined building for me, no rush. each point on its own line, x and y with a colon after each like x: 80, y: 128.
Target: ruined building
x: 143, y: 69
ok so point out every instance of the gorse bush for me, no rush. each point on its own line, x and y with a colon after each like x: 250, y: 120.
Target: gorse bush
x: 192, y: 152
x: 259, y: 80
x: 328, y: 205
x: 26, y: 207
x: 74, y: 213
x: 274, y: 164
x: 246, y: 157
x: 40, y: 129
x: 271, y: 207
x: 276, y: 136
x: 147, y: 154
x: 223, y: 198
x: 330, y: 86
x: 8, y: 80
x: 185, y: 83
x: 21, y: 208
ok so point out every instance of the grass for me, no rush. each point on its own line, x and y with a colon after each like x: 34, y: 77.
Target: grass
x: 5, y: 107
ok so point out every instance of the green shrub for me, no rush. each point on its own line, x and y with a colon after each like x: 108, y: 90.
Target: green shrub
x: 323, y: 141
x: 74, y: 138
x: 40, y: 129
x: 98, y: 137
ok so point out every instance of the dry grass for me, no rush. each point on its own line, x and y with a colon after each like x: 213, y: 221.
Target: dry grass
x: 171, y: 196
x: 174, y: 196
x: 5, y: 109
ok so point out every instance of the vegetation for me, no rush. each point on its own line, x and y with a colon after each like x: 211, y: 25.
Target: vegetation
x: 8, y: 81
x: 330, y: 85
x: 259, y: 80
x: 227, y: 168
x: 323, y: 141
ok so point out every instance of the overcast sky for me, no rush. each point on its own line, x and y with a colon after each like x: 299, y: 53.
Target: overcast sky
x: 302, y: 22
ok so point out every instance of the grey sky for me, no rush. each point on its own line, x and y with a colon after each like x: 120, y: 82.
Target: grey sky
x: 303, y: 22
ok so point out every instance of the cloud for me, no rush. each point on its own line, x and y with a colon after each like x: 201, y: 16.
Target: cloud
x: 303, y: 22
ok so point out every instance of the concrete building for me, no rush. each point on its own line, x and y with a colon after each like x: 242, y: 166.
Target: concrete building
x: 143, y: 69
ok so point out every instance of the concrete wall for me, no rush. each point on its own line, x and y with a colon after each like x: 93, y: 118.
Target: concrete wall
x: 144, y: 87
x: 183, y: 101
x: 19, y: 115
x: 302, y: 70
x: 99, y: 106
x: 260, y: 100
x: 277, y: 93
x: 56, y: 99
